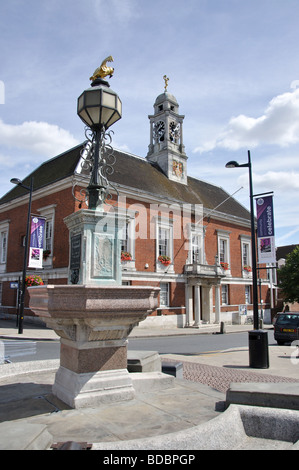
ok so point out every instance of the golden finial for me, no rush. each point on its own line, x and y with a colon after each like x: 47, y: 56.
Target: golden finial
x: 166, y: 80
x: 103, y: 70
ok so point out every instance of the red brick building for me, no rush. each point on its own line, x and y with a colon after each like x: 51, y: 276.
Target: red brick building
x: 202, y: 231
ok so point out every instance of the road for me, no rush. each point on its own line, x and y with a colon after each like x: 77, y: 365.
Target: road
x: 193, y: 344
x: 186, y: 344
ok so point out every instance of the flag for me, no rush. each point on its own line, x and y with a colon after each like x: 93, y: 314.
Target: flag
x: 265, y: 230
x: 36, y: 242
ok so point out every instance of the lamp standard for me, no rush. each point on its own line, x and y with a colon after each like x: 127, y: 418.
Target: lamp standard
x: 30, y: 189
x: 233, y: 164
x: 258, y: 341
x: 98, y: 107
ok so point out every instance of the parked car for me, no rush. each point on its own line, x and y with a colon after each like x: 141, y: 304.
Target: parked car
x: 286, y: 327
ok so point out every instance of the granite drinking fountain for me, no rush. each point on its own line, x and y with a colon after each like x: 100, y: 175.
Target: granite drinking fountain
x: 94, y: 314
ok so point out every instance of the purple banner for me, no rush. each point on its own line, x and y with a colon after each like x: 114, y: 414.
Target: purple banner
x: 265, y: 230
x: 37, y: 232
x: 265, y: 218
x: 36, y: 242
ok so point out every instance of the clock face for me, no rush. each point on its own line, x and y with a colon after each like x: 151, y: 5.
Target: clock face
x: 174, y: 131
x: 159, y: 131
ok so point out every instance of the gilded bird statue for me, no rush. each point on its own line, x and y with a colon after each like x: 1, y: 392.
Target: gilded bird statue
x: 103, y: 70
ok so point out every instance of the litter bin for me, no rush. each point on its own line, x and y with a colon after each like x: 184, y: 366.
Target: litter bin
x: 258, y: 349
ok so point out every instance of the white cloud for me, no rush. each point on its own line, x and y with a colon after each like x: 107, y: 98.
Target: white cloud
x: 6, y: 162
x: 40, y: 138
x: 277, y: 180
x: 279, y: 125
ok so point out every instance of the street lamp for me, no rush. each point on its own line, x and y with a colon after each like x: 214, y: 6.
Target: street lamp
x: 30, y: 189
x: 258, y: 344
x: 233, y: 164
x: 99, y: 107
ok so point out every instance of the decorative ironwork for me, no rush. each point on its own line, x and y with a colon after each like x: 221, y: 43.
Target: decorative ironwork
x: 97, y: 158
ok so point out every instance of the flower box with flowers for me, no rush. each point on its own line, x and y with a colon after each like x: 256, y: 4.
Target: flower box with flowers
x: 164, y: 260
x: 224, y: 266
x: 33, y: 281
x: 247, y: 268
x: 125, y: 256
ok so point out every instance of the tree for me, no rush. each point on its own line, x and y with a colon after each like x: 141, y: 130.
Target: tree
x: 288, y: 277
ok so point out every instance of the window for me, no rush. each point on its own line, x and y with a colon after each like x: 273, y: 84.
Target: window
x: 124, y: 238
x: 224, y: 250
x: 3, y: 247
x: 195, y: 233
x: 48, y: 235
x: 164, y: 236
x: 224, y: 294
x: 49, y: 214
x: 164, y: 294
x: 4, y: 226
x: 247, y: 295
x: 164, y: 244
x: 127, y: 238
x: 197, y: 249
x: 246, y: 252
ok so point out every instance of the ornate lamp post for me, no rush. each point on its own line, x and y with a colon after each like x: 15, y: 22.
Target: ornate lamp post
x: 99, y: 107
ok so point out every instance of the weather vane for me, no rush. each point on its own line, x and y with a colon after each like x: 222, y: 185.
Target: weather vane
x: 166, y: 80
x: 103, y: 71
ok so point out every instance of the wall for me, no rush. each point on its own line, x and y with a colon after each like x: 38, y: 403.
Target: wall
x: 145, y: 253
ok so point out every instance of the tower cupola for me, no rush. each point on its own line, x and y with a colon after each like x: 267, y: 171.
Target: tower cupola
x: 166, y: 147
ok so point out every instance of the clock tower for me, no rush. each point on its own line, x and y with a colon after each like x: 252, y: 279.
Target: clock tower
x: 166, y: 147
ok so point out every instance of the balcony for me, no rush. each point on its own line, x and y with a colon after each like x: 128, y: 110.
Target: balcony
x: 204, y: 270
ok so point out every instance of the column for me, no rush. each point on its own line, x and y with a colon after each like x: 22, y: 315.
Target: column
x: 197, y: 305
x: 207, y: 303
x: 167, y: 121
x: 151, y: 134
x: 189, y: 304
x: 217, y: 303
x: 181, y: 134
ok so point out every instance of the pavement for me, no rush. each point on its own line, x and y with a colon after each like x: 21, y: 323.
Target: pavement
x: 31, y: 417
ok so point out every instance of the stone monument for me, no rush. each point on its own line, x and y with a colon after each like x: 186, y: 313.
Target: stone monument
x: 94, y: 314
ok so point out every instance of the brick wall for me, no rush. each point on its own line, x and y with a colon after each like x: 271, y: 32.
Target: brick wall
x: 145, y: 247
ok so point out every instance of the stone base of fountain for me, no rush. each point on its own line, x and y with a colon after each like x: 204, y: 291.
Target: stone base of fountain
x: 91, y: 389
x: 93, y: 324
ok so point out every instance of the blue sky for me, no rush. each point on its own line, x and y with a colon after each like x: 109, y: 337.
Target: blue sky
x: 232, y: 65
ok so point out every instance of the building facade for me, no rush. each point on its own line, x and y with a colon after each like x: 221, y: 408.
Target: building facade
x: 184, y: 235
